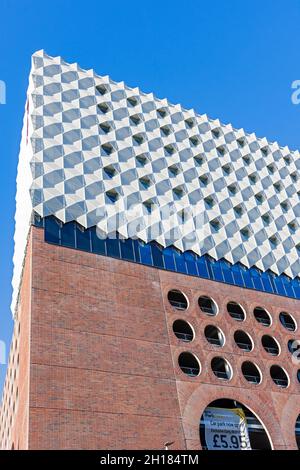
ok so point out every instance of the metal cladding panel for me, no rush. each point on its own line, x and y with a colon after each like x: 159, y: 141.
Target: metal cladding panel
x: 107, y: 155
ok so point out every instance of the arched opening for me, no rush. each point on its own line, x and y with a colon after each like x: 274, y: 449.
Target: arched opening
x: 183, y: 330
x: 189, y: 364
x: 279, y: 376
x: 236, y: 311
x: 262, y: 316
x: 270, y: 345
x: 177, y: 299
x: 250, y: 432
x: 214, y: 335
x: 208, y: 305
x: 243, y: 340
x: 297, y: 431
x: 221, y: 368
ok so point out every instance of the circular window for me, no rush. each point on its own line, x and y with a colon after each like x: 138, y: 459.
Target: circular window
x: 183, y: 330
x: 287, y: 321
x: 251, y: 372
x: 262, y: 316
x: 243, y: 340
x: 270, y: 345
x: 214, y: 335
x: 208, y: 305
x: 279, y: 376
x: 221, y: 368
x: 189, y: 364
x: 177, y: 299
x: 236, y: 311
x: 293, y: 345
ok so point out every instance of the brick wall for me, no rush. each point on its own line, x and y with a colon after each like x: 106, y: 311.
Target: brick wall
x: 103, y: 356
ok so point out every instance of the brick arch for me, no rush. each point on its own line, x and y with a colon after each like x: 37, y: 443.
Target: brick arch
x: 203, y: 395
x: 289, y: 415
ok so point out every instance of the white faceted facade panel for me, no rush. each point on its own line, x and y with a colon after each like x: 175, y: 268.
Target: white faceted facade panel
x: 102, y: 153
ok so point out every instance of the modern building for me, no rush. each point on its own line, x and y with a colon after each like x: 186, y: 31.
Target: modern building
x: 156, y: 288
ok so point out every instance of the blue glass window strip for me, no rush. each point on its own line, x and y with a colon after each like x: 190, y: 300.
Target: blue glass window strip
x: 83, y: 239
x: 191, y: 265
x: 113, y: 247
x: 217, y: 273
x: 136, y: 251
x: 72, y: 236
x: 180, y: 265
x: 168, y: 254
x: 266, y: 281
x: 52, y: 230
x: 127, y: 251
x: 68, y: 235
x: 98, y: 245
x: 202, y: 267
x: 145, y: 253
x: 227, y: 272
x: 157, y: 256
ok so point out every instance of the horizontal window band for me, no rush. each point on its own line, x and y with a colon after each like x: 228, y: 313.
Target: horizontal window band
x: 71, y: 235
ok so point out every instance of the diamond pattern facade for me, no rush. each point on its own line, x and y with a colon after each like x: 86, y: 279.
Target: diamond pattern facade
x: 104, y: 154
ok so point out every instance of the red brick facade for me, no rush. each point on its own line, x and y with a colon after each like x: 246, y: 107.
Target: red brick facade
x: 98, y: 362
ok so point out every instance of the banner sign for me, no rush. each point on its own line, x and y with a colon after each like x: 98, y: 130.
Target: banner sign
x: 226, y: 429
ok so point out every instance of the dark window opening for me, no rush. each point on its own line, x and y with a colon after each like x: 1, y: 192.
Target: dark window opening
x: 132, y: 101
x: 141, y: 160
x: 107, y: 148
x: 135, y: 119
x: 103, y: 107
x: 110, y: 171
x: 214, y: 335
x: 105, y: 127
x: 221, y: 368
x: 102, y: 89
x: 262, y: 316
x: 112, y: 195
x: 241, y: 142
x: 251, y: 372
x: 162, y: 112
x: 270, y: 345
x: 233, y: 189
x: 243, y: 340
x: 279, y: 376
x: 207, y: 305
x: 177, y: 299
x: 189, y: 364
x: 166, y: 130
x: 190, y: 122
x: 183, y: 330
x: 236, y: 311
x: 138, y: 139
x: 287, y: 321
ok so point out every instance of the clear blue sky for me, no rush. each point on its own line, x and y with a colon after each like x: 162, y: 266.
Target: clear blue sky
x: 234, y: 60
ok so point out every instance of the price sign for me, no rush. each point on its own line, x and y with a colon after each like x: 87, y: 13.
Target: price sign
x: 226, y: 429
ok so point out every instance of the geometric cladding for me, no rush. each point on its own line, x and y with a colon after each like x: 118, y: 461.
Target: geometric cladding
x: 107, y: 155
